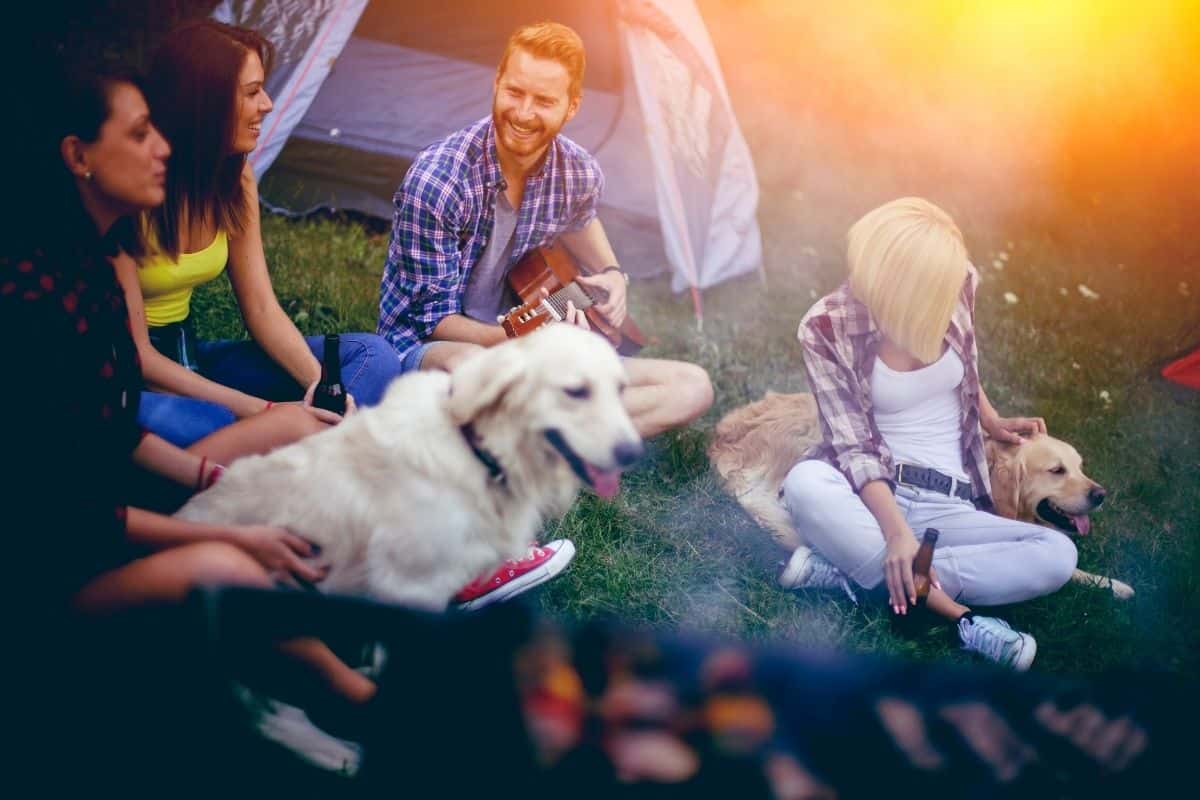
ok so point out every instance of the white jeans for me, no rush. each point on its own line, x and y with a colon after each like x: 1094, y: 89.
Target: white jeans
x: 980, y: 558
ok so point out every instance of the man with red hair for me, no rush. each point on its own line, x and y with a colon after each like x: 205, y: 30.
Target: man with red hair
x: 473, y: 204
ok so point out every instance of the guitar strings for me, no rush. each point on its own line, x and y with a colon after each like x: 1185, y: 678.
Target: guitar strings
x: 558, y: 300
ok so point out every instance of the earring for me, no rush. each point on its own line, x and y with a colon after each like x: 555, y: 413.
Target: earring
x: 87, y: 176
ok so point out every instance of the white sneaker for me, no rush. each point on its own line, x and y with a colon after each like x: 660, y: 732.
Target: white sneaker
x: 994, y: 639
x: 807, y: 569
x: 290, y: 727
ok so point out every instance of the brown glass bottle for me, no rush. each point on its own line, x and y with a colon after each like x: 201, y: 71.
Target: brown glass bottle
x: 330, y: 394
x: 922, y: 563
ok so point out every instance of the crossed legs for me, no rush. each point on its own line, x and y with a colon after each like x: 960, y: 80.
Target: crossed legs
x: 661, y: 395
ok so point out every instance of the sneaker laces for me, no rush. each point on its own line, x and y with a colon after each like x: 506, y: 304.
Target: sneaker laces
x: 824, y: 575
x: 982, y: 636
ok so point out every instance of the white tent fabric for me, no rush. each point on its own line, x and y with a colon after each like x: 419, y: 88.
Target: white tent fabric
x: 704, y: 178
x: 666, y: 138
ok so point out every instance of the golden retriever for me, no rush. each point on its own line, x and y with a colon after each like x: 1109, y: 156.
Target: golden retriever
x: 1041, y: 480
x: 401, y: 505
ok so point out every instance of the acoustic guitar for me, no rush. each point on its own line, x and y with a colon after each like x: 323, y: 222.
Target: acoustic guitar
x: 555, y: 269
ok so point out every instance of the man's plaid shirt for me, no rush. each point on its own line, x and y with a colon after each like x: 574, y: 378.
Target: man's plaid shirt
x: 445, y: 211
x: 840, y: 344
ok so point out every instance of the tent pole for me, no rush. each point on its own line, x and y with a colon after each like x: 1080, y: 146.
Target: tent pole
x: 698, y: 308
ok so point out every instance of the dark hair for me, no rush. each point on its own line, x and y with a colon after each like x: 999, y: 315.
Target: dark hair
x: 68, y: 103
x: 191, y: 89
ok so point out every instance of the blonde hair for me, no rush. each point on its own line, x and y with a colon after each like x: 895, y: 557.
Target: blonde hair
x: 907, y: 265
x: 554, y: 41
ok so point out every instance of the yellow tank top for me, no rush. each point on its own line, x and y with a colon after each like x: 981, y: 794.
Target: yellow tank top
x: 167, y: 285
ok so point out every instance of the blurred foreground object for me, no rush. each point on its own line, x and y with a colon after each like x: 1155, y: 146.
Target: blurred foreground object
x: 601, y: 710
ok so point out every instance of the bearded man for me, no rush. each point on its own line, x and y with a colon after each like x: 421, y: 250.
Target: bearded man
x: 473, y: 204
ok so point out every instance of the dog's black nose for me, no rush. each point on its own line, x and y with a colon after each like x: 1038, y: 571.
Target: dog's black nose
x: 1096, y: 495
x: 628, y: 452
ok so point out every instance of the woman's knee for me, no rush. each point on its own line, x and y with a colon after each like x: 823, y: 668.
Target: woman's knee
x: 207, y: 563
x: 1061, y: 560
x: 806, y: 487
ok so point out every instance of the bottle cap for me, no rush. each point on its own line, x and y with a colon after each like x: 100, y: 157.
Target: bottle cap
x: 931, y: 534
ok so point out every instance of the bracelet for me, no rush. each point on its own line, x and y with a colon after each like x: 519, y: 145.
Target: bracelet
x: 267, y: 407
x: 612, y: 267
x: 214, y: 476
x: 205, y: 482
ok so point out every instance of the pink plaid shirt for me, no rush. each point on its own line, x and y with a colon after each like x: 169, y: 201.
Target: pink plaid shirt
x: 840, y: 342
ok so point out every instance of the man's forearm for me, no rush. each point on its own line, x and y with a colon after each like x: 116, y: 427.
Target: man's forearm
x: 461, y: 328
x: 591, y: 247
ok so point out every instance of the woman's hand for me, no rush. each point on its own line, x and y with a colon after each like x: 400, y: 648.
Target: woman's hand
x: 280, y: 551
x: 1010, y: 429
x: 326, y: 416
x: 898, y: 569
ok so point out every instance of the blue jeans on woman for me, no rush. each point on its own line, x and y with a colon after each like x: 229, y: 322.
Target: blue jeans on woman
x: 368, y: 365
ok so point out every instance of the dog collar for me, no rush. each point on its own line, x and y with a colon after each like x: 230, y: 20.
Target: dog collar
x: 495, y: 471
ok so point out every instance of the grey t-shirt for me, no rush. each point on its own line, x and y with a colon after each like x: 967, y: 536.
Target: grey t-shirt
x: 487, y: 294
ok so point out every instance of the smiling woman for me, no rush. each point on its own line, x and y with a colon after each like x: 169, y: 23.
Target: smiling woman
x: 206, y: 92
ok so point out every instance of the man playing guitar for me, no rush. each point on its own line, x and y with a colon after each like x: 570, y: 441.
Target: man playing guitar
x: 472, y: 205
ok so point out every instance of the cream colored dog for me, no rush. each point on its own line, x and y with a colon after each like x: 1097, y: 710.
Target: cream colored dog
x: 404, y: 509
x: 1041, y: 480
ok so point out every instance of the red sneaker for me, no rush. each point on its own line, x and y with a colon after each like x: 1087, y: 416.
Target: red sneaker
x: 513, y: 577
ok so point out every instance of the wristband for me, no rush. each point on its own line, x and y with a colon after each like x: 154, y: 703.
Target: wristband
x: 612, y: 267
x: 214, y: 475
x: 206, y: 481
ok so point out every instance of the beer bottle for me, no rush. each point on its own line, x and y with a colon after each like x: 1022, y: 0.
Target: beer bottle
x: 922, y: 563
x: 330, y: 394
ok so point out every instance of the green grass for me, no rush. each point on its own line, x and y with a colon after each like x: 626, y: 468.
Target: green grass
x: 674, y: 550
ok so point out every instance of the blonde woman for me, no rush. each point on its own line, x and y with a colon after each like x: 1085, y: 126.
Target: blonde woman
x: 891, y: 357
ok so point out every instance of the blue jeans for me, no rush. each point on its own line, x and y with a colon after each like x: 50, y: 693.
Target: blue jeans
x: 368, y: 365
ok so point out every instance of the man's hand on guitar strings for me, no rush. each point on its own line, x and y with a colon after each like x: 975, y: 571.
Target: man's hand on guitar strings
x: 612, y: 284
x: 576, y: 317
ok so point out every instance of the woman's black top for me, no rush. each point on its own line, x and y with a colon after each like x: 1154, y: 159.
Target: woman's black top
x: 69, y: 397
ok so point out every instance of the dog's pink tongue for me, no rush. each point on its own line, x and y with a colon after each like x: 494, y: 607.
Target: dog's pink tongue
x: 605, y: 483
x: 1083, y: 523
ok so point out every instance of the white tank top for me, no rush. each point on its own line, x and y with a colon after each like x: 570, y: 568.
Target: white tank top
x: 919, y: 413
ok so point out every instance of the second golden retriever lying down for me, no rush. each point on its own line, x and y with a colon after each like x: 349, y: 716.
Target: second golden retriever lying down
x: 1039, y: 481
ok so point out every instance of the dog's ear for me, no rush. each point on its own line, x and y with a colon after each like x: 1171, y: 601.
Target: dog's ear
x: 480, y: 381
x: 1007, y: 470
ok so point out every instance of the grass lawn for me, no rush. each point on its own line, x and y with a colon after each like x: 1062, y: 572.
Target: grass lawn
x: 1047, y: 201
x: 675, y: 550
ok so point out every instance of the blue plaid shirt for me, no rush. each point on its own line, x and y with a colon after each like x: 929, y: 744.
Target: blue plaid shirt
x: 445, y: 210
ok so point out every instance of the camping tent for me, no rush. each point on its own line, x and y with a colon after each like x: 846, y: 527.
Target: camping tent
x: 360, y: 88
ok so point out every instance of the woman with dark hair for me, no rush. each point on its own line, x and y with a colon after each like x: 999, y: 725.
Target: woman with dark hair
x: 73, y: 401
x: 206, y: 87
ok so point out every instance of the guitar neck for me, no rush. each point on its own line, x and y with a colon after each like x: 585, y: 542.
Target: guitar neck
x: 572, y: 292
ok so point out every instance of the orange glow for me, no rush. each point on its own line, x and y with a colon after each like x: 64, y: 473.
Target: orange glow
x: 1058, y: 102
